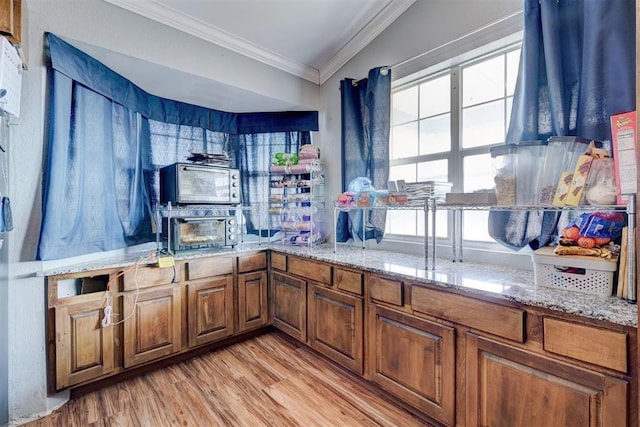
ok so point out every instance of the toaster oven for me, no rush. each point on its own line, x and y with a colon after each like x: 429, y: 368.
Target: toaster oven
x: 199, y: 232
x: 187, y: 183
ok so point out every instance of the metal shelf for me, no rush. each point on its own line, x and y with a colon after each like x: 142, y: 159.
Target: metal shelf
x: 430, y: 206
x: 582, y: 208
x: 296, y: 207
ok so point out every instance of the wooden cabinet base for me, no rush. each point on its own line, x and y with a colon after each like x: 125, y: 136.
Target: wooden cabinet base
x: 153, y: 329
x: 252, y: 301
x: 84, y: 349
x: 210, y: 304
x: 509, y: 387
x: 289, y: 305
x: 335, y: 323
x: 414, y: 359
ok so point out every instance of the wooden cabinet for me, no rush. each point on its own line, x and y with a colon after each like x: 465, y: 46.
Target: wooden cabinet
x: 289, y: 305
x: 413, y: 359
x: 506, y: 386
x: 84, y: 349
x: 81, y: 349
x: 153, y: 324
x: 604, y: 347
x: 210, y: 300
x: 210, y: 309
x: 450, y: 357
x: 11, y: 20
x: 253, y: 303
x: 336, y: 326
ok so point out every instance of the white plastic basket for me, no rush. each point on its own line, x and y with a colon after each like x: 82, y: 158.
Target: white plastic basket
x: 590, y: 275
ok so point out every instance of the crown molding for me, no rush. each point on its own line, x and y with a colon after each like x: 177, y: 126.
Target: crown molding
x: 382, y: 20
x: 190, y: 25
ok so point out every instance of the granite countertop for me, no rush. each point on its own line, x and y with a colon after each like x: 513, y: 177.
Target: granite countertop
x: 487, y: 280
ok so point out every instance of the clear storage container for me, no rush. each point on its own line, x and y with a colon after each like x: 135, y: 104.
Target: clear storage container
x: 530, y: 158
x: 562, y: 155
x: 503, y: 162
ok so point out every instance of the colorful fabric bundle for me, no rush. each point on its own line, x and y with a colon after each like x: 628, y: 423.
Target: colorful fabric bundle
x: 308, y: 151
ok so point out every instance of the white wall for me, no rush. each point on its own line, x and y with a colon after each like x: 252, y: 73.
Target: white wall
x: 108, y: 29
x: 425, y: 25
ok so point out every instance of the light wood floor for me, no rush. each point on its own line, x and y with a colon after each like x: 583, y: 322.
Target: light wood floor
x: 263, y: 381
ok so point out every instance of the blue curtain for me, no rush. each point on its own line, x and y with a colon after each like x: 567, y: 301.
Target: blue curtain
x: 577, y: 68
x: 91, y: 201
x: 366, y: 114
x: 106, y: 141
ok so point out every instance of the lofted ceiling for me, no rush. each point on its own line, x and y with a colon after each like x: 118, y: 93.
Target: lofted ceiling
x: 310, y: 39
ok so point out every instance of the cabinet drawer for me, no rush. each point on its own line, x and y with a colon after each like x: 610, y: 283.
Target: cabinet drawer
x: 347, y: 280
x: 310, y: 269
x: 495, y: 319
x: 147, y: 276
x: 253, y: 262
x: 385, y: 290
x: 278, y: 261
x: 589, y: 344
x: 209, y: 267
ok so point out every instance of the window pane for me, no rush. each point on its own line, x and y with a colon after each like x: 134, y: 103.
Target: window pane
x: 402, y: 222
x: 406, y: 172
x: 437, y: 170
x: 435, y: 96
x: 478, y: 174
x: 513, y: 59
x: 411, y: 223
x: 405, y: 106
x: 483, y: 82
x: 475, y: 226
x: 441, y: 224
x: 483, y: 125
x: 435, y: 134
x: 404, y: 141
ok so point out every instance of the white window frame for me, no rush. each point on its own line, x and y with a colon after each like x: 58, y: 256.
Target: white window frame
x: 486, y: 46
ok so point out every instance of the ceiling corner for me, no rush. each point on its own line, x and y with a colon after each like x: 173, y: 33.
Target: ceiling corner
x: 377, y: 25
x: 197, y: 28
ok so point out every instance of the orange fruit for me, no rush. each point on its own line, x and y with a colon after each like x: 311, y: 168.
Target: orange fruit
x: 586, y: 242
x: 572, y: 233
x: 602, y: 240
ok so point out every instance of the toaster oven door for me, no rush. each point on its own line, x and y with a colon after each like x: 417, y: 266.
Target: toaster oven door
x: 200, y: 184
x: 193, y: 233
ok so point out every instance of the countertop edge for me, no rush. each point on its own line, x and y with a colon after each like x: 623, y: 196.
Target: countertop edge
x: 488, y: 281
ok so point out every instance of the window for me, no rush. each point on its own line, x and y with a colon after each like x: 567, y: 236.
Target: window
x: 442, y: 127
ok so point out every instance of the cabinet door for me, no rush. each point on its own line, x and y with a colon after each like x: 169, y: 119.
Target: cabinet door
x: 152, y: 329
x: 289, y: 305
x: 508, y: 387
x: 252, y: 301
x: 210, y: 310
x: 10, y: 20
x: 336, y: 326
x: 414, y: 359
x: 84, y: 349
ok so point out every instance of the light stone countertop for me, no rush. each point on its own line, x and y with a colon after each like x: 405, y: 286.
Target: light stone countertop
x: 487, y: 280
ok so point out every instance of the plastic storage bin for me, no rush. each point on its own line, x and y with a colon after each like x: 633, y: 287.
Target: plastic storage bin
x: 561, y: 156
x: 503, y: 162
x: 530, y: 156
x: 585, y: 274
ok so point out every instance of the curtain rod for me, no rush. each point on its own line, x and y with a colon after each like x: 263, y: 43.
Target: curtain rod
x: 385, y: 69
